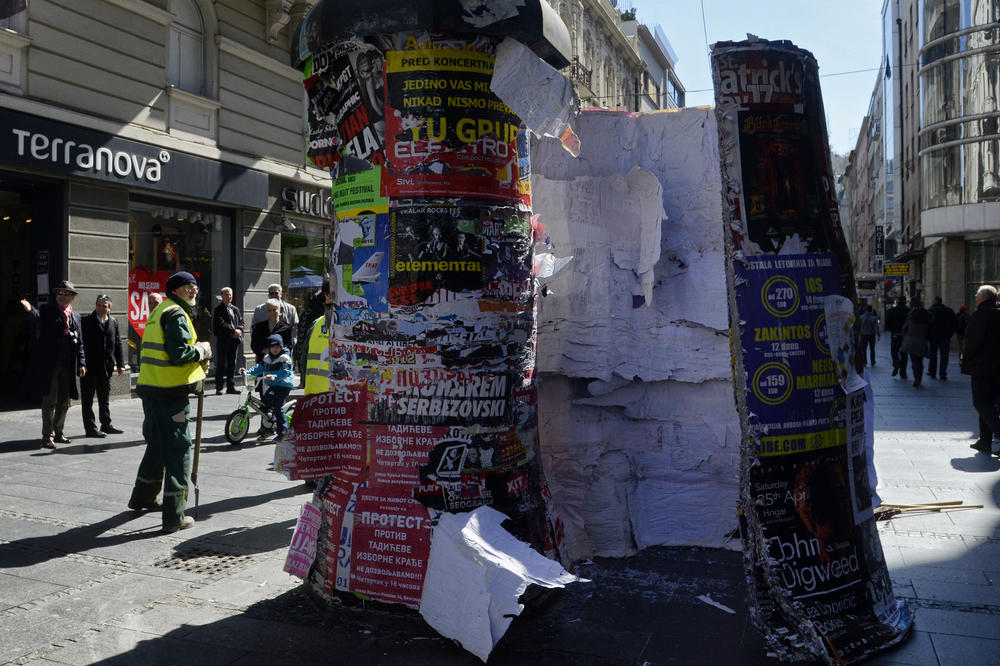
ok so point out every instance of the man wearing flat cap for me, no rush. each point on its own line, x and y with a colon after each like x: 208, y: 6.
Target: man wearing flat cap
x: 170, y: 368
x: 58, y: 360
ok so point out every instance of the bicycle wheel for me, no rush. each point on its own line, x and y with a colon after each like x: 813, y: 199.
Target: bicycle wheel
x: 237, y: 426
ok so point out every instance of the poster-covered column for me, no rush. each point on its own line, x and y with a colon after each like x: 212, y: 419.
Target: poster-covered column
x: 432, y: 401
x: 819, y: 586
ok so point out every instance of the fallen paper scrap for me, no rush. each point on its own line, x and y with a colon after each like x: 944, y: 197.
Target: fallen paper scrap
x: 712, y: 602
x: 539, y: 94
x: 302, y: 550
x: 475, y: 574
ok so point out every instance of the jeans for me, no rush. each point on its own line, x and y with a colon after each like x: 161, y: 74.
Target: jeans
x: 274, y: 399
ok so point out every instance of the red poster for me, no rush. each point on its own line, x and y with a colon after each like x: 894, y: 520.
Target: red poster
x: 338, y: 507
x: 391, y: 544
x: 397, y: 454
x: 330, y: 435
x: 140, y: 285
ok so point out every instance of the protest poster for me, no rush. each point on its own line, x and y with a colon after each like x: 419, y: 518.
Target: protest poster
x: 391, y: 542
x: 818, y: 583
x: 329, y: 434
x: 302, y: 550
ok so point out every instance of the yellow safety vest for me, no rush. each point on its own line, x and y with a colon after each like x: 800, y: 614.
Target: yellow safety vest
x: 155, y: 368
x: 317, y: 368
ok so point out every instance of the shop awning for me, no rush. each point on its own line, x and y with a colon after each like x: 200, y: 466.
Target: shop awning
x: 533, y: 23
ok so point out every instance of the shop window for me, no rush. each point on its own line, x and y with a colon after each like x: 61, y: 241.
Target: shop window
x: 303, y: 266
x: 170, y: 237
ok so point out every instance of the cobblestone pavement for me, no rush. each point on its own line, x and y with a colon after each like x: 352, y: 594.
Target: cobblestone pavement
x: 83, y: 580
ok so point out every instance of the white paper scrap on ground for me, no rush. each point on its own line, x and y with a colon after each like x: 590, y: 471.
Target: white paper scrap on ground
x: 538, y: 93
x: 475, y: 574
x: 712, y: 602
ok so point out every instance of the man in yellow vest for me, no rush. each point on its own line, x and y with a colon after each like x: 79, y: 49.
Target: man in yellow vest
x: 170, y: 369
x: 317, y: 357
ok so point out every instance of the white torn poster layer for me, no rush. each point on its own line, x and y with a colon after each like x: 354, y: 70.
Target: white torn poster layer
x: 475, y: 574
x: 640, y: 437
x: 539, y: 94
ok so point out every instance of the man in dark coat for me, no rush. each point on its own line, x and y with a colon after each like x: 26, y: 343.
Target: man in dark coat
x: 58, y: 360
x: 895, y: 318
x: 939, y: 335
x: 227, y: 325
x: 102, y: 344
x: 981, y: 359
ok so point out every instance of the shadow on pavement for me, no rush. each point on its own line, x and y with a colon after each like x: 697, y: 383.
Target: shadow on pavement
x: 34, y: 550
x: 260, y: 539
x: 206, y: 511
x: 642, y: 609
x: 976, y: 463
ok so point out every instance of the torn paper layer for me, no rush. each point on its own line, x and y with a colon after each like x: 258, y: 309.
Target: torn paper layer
x: 539, y: 94
x: 476, y: 572
x: 639, y: 431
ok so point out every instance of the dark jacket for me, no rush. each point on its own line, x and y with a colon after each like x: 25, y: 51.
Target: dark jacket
x: 915, y: 333
x: 57, y: 346
x: 222, y: 325
x: 260, y: 332
x: 943, y: 325
x: 895, y: 318
x: 981, y: 349
x: 102, y: 345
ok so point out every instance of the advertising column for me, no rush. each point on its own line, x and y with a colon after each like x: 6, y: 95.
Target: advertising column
x: 819, y: 587
x: 432, y: 402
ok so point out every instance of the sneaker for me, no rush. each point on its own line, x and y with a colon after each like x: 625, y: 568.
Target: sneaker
x: 111, y: 430
x: 186, y: 522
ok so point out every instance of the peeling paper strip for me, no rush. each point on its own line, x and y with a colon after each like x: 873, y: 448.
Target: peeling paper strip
x: 839, y: 313
x: 547, y: 264
x: 539, y: 94
x: 476, y: 572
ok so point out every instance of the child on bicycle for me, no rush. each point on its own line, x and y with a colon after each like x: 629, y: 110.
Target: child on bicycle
x: 276, y: 367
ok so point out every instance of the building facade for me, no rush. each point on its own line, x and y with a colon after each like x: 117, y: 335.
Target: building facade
x: 943, y: 58
x: 659, y: 87
x: 607, y: 69
x: 143, y: 137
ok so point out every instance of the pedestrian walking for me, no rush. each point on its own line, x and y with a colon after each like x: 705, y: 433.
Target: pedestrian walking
x: 981, y: 360
x: 915, y: 343
x: 939, y: 336
x: 276, y: 369
x: 895, y: 319
x: 288, y: 313
x: 102, y: 344
x: 961, y: 321
x: 227, y: 325
x: 869, y: 332
x: 58, y: 359
x: 170, y: 368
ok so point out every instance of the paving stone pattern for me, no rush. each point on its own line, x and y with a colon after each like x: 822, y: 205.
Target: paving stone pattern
x: 83, y: 580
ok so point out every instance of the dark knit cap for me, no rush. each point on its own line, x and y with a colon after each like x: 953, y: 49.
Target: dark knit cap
x: 179, y: 279
x: 275, y: 340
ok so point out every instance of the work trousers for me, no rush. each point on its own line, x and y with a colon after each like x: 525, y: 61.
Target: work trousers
x: 55, y: 402
x: 985, y: 393
x: 167, y: 460
x: 90, y: 384
x: 939, y: 348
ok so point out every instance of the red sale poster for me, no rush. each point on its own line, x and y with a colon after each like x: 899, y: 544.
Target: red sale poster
x: 140, y: 285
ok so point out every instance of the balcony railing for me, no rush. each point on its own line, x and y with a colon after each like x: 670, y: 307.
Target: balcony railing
x: 580, y: 74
